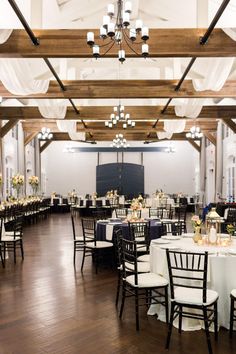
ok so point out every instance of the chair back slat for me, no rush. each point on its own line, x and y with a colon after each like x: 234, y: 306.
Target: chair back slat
x: 128, y: 254
x: 89, y: 230
x: 187, y: 270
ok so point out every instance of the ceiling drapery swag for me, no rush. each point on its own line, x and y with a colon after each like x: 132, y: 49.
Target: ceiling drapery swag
x: 4, y: 35
x: 16, y: 75
x: 52, y: 108
x: 70, y: 127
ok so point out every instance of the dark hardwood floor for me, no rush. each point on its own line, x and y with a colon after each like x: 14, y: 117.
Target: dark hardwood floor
x: 48, y: 307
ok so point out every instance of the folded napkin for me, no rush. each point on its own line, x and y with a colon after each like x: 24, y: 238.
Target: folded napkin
x: 109, y: 232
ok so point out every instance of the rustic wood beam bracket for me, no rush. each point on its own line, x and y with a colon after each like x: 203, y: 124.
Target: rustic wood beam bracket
x: 230, y: 123
x: 45, y: 145
x: 8, y: 126
x: 195, y: 145
x: 210, y: 137
x: 29, y: 138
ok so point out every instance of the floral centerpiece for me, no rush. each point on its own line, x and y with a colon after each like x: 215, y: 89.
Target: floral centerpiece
x: 17, y: 183
x: 231, y: 230
x: 135, y: 205
x: 94, y: 195
x: 196, y: 222
x: 34, y: 182
x: 109, y: 194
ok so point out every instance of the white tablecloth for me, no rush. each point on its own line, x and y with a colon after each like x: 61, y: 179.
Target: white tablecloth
x: 222, y: 279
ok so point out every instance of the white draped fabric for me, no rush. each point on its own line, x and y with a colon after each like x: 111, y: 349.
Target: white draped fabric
x: 4, y: 35
x: 164, y: 135
x: 69, y: 126
x: 215, y: 71
x: 77, y: 136
x: 16, y: 75
x: 231, y: 32
x: 190, y: 108
x: 174, y: 126
x: 54, y: 109
x: 219, y: 162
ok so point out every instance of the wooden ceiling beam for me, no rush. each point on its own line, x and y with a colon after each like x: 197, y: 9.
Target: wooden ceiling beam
x: 103, y: 89
x: 230, y: 123
x: 129, y: 136
x: 103, y: 112
x: 73, y: 44
x: 8, y: 126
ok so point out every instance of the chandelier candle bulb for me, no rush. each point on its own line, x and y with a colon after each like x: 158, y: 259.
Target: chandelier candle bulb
x: 132, y: 34
x: 126, y: 19
x: 145, y: 50
x: 127, y: 116
x: 121, y: 55
x: 110, y: 10
x: 129, y: 122
x: 122, y: 108
x: 111, y: 29
x: 106, y: 123
x: 138, y: 25
x: 106, y: 21
x: 115, y: 109
x: 128, y: 7
x: 103, y: 32
x: 133, y: 124
x: 96, y: 53
x: 90, y: 38
x: 112, y: 116
x: 145, y: 33
x: 124, y: 125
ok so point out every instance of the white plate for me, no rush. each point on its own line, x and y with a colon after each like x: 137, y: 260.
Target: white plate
x: 189, y: 235
x: 170, y: 247
x: 171, y: 238
x: 160, y: 241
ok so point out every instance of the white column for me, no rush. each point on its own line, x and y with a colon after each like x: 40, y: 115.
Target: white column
x: 219, y: 163
x: 203, y: 169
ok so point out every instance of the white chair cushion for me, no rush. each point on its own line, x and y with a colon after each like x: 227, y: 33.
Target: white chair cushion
x: 144, y: 258
x: 147, y: 280
x: 194, y: 296
x: 143, y: 267
x: 10, y: 238
x: 141, y: 248
x: 233, y: 292
x: 11, y: 233
x: 80, y: 239
x: 99, y: 244
x: 140, y: 239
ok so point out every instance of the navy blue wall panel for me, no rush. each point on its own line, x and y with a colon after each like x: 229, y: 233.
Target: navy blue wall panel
x: 127, y: 178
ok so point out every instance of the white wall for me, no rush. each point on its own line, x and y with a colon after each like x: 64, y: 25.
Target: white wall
x: 173, y: 172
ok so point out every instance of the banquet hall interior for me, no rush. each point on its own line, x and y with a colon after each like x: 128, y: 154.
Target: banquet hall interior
x: 117, y: 176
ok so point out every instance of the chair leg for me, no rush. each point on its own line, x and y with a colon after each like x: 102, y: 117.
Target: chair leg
x: 22, y: 249
x: 207, y: 330
x: 137, y: 309
x: 118, y: 288
x: 74, y: 253
x: 4, y: 252
x: 123, y: 299
x: 231, y: 316
x: 216, y: 321
x: 2, y: 258
x: 14, y: 252
x: 167, y: 305
x: 172, y: 310
x: 180, y: 318
x: 82, y: 264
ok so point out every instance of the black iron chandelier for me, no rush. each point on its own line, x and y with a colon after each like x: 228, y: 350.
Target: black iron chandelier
x: 120, y: 116
x: 116, y: 30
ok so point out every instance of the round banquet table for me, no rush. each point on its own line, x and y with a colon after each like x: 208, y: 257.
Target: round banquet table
x: 106, y: 231
x: 221, y: 278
